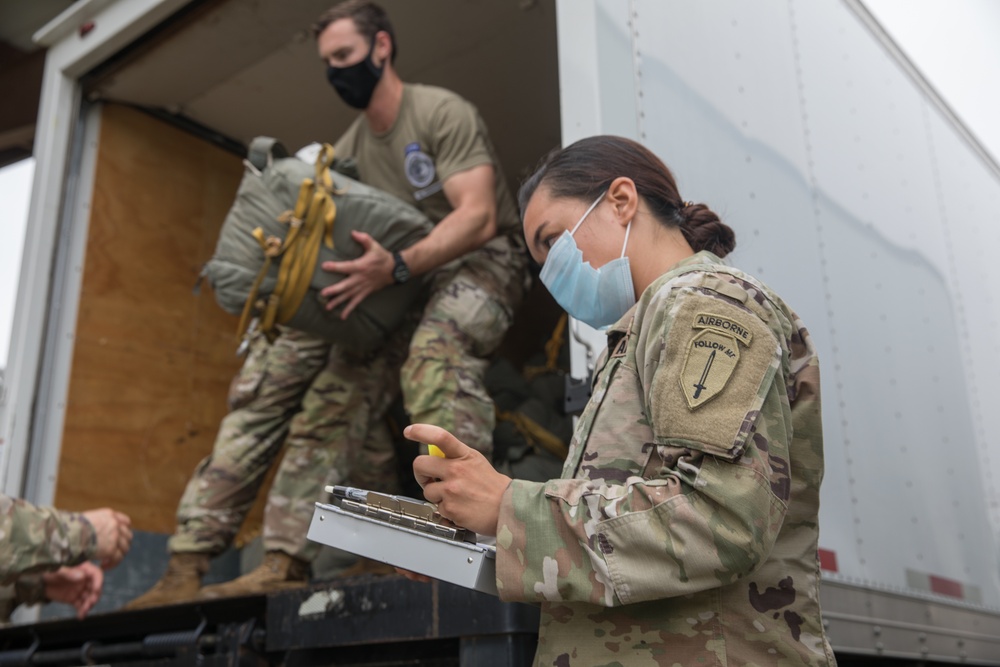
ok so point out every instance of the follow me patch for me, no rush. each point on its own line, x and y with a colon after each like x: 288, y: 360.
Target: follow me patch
x: 712, y: 356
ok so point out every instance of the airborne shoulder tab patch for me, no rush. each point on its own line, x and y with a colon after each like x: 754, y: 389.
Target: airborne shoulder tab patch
x: 716, y: 369
x: 712, y: 355
x: 725, y: 326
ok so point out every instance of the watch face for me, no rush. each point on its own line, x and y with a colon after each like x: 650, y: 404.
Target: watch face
x: 400, y: 272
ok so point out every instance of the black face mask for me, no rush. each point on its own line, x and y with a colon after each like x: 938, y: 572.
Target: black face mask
x: 356, y: 84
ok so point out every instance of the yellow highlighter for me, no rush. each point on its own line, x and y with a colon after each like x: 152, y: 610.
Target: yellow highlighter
x: 434, y: 450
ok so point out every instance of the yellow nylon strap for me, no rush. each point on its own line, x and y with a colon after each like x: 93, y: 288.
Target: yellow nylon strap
x: 270, y: 312
x: 271, y: 247
x: 245, y: 316
x: 305, y: 197
x: 310, y: 224
x: 323, y: 162
x: 329, y: 217
x: 277, y: 297
x: 298, y: 220
x: 554, y: 344
x: 552, y: 348
x: 537, y: 435
x: 302, y: 259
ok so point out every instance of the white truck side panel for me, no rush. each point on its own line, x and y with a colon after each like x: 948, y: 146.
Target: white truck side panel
x: 597, y: 92
x: 969, y: 201
x: 860, y: 203
x: 900, y: 391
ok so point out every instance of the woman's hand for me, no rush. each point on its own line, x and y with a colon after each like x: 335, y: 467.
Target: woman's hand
x: 465, y: 487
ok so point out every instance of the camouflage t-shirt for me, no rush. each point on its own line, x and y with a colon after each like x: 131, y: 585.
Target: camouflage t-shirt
x: 437, y: 134
x: 684, y: 529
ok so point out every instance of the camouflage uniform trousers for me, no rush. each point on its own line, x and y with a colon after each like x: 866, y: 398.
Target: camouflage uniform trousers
x: 340, y: 436
x: 320, y: 401
x: 471, y: 307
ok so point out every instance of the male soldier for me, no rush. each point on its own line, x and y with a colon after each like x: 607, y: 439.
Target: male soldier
x: 45, y: 554
x: 429, y: 147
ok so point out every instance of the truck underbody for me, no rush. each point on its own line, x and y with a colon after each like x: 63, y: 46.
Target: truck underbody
x: 359, y: 621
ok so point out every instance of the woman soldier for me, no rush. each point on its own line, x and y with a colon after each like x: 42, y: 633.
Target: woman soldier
x: 684, y: 528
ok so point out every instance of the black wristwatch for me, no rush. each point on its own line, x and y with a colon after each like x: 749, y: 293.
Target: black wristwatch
x: 400, y: 272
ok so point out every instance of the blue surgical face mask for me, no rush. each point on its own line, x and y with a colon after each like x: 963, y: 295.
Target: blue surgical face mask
x: 598, y: 297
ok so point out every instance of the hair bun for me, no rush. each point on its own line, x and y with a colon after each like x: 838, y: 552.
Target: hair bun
x: 705, y: 231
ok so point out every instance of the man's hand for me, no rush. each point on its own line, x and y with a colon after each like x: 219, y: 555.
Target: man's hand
x: 465, y: 487
x: 364, y: 275
x: 79, y: 586
x: 114, y: 535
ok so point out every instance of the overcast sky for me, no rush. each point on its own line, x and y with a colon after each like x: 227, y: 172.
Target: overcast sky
x: 15, y: 187
x: 956, y: 43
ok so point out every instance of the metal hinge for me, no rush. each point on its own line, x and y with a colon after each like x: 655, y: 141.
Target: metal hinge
x: 410, y: 513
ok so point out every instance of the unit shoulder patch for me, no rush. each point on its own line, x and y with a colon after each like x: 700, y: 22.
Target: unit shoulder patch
x: 711, y: 359
x: 717, y: 365
x: 713, y: 352
x: 418, y: 165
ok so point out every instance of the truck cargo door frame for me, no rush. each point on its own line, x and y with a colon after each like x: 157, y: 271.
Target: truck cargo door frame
x: 47, y: 297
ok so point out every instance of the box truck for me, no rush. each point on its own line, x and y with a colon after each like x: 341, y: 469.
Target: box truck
x: 853, y: 188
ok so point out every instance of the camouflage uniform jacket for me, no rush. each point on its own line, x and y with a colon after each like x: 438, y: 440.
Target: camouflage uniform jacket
x: 35, y: 539
x: 684, y: 528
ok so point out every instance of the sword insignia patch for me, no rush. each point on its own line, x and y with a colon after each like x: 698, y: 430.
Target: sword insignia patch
x: 712, y: 356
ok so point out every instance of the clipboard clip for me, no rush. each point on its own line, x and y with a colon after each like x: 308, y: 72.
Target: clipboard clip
x: 394, y: 510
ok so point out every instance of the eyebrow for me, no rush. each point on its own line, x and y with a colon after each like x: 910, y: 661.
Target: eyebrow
x: 338, y: 54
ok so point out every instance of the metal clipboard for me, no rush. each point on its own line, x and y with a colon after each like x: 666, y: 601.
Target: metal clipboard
x: 405, y: 533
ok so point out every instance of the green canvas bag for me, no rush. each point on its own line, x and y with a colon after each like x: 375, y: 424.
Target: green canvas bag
x: 288, y: 218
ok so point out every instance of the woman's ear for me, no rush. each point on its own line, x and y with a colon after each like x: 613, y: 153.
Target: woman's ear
x: 624, y: 199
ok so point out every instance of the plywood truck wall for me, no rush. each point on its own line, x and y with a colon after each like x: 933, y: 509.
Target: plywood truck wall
x: 152, y: 361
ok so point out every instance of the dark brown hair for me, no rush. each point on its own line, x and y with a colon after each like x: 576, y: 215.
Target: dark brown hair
x: 369, y: 18
x: 585, y: 169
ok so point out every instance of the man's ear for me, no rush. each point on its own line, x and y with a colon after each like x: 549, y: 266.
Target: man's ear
x: 624, y: 199
x: 383, y: 48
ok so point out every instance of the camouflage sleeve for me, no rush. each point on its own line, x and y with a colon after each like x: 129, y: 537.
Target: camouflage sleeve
x: 27, y: 589
x: 8, y: 601
x: 700, y: 513
x: 41, y: 538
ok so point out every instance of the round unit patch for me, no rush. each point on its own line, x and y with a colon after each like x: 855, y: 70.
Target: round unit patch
x: 419, y: 166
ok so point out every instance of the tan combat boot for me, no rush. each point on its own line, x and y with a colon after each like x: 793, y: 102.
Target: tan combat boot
x: 279, y: 571
x: 180, y: 583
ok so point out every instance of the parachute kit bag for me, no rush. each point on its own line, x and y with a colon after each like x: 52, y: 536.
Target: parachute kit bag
x: 288, y: 218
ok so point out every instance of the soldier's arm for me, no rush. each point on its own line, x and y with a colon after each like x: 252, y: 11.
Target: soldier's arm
x: 41, y: 538
x: 465, y: 167
x: 8, y: 601
x: 471, y: 223
x: 702, y: 514
x: 27, y: 589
